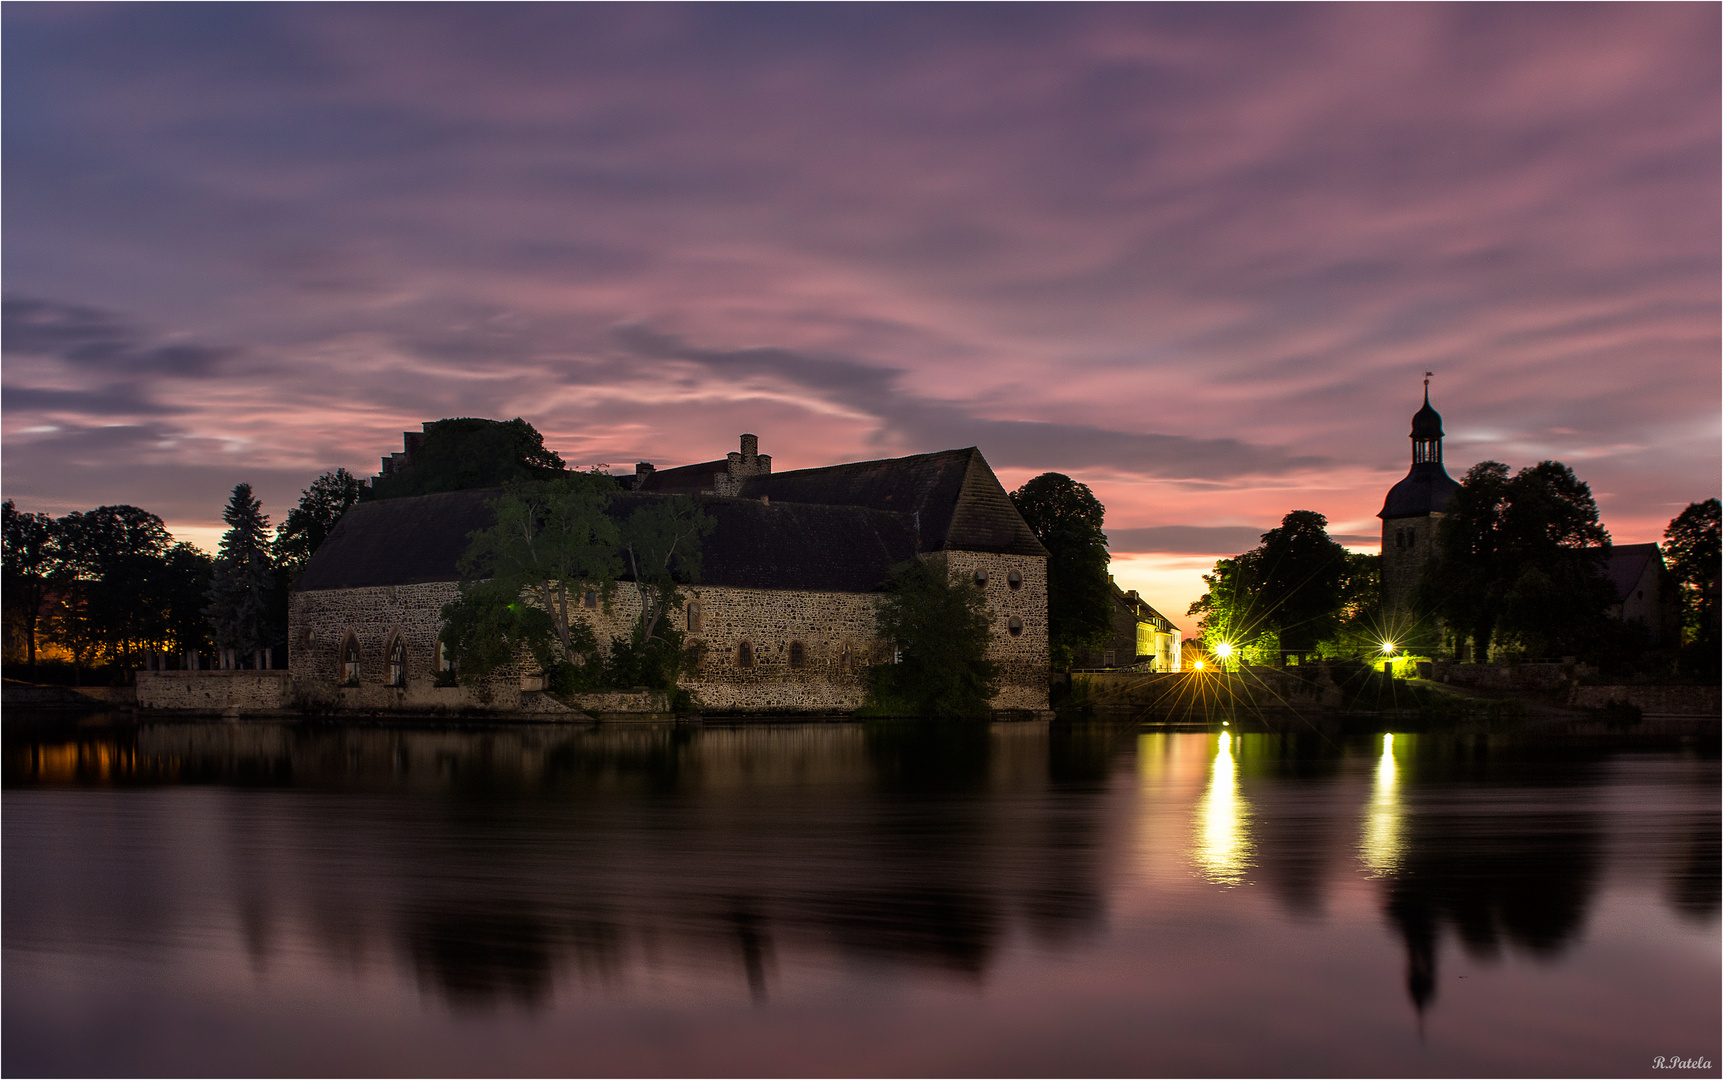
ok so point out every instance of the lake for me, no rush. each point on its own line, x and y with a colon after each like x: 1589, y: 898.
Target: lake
x: 848, y: 899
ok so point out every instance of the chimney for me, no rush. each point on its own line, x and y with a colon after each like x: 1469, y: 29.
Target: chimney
x: 750, y: 447
x: 643, y: 471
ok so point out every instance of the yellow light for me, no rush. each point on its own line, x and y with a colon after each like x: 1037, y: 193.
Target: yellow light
x: 1388, y: 646
x: 1223, y: 650
x: 1199, y: 665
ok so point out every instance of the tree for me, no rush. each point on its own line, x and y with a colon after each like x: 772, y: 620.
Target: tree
x: 660, y: 550
x: 1692, y: 546
x: 470, y: 453
x: 550, y: 544
x: 1068, y: 520
x: 109, y: 555
x: 1521, y: 562
x: 243, y: 578
x: 307, y: 525
x: 1292, y: 588
x: 31, y: 557
x: 179, y: 590
x: 940, y: 630
x: 1301, y: 581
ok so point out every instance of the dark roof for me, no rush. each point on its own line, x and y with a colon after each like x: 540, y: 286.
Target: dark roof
x: 755, y: 545
x: 1626, y: 565
x: 1425, y: 490
x: 398, y: 541
x: 956, y: 501
x: 1427, y: 422
x: 686, y: 479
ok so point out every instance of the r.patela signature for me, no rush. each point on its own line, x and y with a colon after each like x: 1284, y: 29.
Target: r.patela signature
x: 1661, y: 1062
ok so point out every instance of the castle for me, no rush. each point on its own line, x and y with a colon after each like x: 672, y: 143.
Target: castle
x: 782, y: 614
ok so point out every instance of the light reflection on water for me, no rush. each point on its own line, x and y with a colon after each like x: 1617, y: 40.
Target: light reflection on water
x: 811, y: 898
x: 1380, y: 846
x: 1223, y: 848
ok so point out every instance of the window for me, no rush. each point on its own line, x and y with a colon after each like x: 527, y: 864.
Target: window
x: 397, y: 663
x: 1014, y: 579
x: 350, y: 661
x: 1015, y: 627
x: 846, y: 658
x: 1106, y: 657
x: 694, y: 620
x: 745, y: 655
x: 797, y: 654
x: 590, y: 599
x: 981, y: 579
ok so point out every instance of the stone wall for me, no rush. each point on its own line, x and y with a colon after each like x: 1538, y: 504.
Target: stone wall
x: 213, y: 691
x: 1654, y: 700
x: 836, y: 632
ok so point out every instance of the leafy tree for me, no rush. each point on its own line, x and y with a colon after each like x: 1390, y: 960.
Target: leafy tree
x: 1293, y: 588
x: 307, y: 525
x: 523, y: 578
x: 1228, y: 612
x: 1521, y: 562
x: 940, y: 630
x: 243, y: 578
x: 1068, y: 519
x: 31, y: 557
x: 471, y: 453
x: 1692, y: 546
x: 179, y: 590
x: 1300, y: 581
x: 109, y: 556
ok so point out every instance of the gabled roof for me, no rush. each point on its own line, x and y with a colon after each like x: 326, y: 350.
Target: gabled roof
x: 953, y: 496
x: 781, y: 546
x: 1626, y: 564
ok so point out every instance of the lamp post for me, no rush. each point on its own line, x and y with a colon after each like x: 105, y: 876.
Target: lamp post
x: 1388, y: 648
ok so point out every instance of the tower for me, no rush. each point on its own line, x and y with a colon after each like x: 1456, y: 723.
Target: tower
x: 1413, y: 508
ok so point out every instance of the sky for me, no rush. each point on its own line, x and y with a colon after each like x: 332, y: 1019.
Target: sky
x: 1196, y: 257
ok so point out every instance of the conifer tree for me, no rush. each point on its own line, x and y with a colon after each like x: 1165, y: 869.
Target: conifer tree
x: 239, y: 591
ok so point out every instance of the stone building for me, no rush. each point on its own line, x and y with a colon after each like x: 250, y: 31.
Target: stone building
x: 783, y: 612
x: 1142, y: 637
x: 1413, y: 509
x: 1644, y: 591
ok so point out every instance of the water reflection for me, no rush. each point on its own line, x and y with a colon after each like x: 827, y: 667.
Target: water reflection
x: 1223, y: 847
x: 1380, y: 844
x: 505, y: 869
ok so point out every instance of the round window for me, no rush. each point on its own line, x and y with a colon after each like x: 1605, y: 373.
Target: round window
x: 1014, y: 579
x: 1015, y: 626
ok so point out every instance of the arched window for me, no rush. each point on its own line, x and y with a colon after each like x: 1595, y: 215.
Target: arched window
x: 1014, y: 579
x: 798, y: 655
x: 397, y: 662
x: 981, y: 578
x: 1015, y: 626
x: 695, y: 620
x: 350, y: 661
x: 846, y: 658
x: 745, y: 655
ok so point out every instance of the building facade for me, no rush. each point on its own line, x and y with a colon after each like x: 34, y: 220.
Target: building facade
x: 1142, y: 637
x: 781, y: 617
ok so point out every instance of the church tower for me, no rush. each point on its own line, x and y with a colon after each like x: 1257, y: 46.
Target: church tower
x: 1413, y: 508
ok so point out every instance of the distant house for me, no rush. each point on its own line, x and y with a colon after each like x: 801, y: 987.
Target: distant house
x: 1142, y: 637
x: 783, y: 613
x: 1644, y: 591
